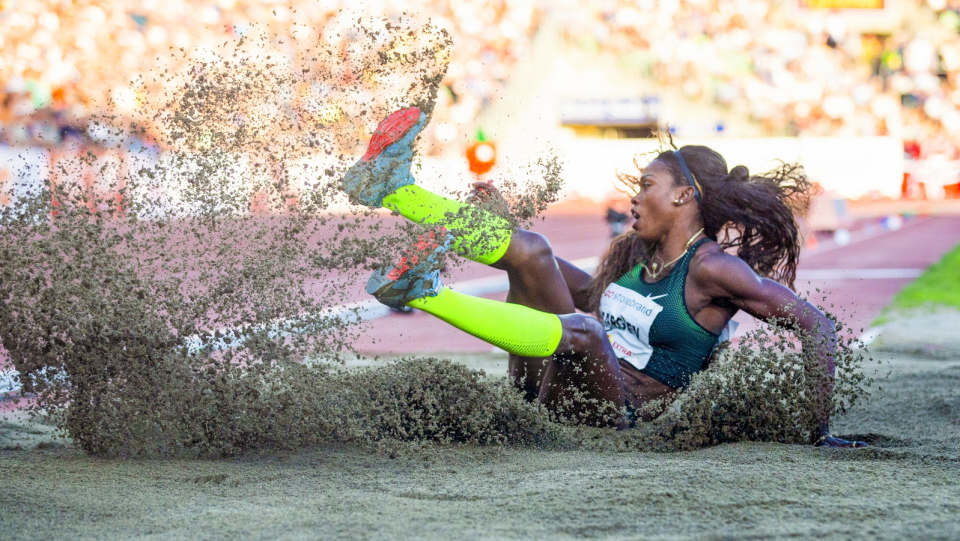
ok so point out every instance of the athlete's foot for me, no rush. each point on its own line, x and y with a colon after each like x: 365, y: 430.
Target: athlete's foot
x: 385, y: 167
x: 415, y: 276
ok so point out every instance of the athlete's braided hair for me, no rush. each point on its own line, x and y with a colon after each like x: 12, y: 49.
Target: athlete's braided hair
x: 753, y: 214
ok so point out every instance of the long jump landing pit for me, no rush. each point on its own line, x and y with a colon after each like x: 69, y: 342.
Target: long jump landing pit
x: 905, y: 486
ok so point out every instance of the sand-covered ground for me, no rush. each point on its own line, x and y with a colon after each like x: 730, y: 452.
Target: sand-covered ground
x: 906, y: 486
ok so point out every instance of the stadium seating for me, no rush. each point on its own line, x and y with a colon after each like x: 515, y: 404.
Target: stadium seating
x: 59, y: 61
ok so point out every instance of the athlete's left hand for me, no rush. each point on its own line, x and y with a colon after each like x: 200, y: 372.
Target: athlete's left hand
x: 839, y: 443
x: 482, y: 192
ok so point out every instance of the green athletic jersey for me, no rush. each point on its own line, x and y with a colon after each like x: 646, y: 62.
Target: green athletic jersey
x: 650, y: 327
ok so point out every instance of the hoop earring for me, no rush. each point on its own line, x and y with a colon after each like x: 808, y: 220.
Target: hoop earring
x: 677, y: 202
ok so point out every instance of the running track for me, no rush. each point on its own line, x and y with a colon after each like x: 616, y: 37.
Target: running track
x: 859, y: 279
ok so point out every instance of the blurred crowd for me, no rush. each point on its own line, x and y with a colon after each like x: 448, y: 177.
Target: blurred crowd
x: 64, y: 60
x: 808, y: 75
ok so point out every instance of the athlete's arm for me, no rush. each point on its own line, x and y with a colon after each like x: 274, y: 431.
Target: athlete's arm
x: 578, y: 282
x: 727, y: 277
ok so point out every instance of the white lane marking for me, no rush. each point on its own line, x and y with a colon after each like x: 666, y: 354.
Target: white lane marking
x: 233, y: 336
x: 858, y: 236
x: 870, y: 335
x: 9, y: 381
x: 588, y: 264
x: 857, y: 274
x: 500, y: 283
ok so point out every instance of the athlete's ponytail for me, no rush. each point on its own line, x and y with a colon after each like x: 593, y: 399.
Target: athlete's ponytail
x: 755, y: 215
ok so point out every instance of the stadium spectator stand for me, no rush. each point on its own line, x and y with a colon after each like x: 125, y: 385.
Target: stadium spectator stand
x: 793, y: 76
x: 60, y: 60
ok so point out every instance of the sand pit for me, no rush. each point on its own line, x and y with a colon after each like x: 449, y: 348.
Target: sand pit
x: 930, y: 332
x: 907, y: 485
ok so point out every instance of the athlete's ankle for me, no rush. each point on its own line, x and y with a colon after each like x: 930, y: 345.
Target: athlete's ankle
x: 481, y: 236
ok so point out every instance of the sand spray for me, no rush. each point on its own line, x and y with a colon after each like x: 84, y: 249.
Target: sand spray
x: 216, y: 205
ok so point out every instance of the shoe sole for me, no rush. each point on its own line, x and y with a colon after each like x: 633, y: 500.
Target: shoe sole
x: 390, y: 130
x: 425, y: 250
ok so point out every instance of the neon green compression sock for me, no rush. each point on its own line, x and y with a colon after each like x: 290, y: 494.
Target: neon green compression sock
x: 480, y: 235
x: 512, y: 327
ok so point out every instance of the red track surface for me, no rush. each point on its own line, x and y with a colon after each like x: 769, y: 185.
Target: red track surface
x: 917, y: 245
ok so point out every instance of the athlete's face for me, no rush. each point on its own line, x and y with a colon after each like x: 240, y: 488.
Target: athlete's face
x: 654, y: 205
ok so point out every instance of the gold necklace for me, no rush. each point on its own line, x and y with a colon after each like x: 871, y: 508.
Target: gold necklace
x: 652, y: 274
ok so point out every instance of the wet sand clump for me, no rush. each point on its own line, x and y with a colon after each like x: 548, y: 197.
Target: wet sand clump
x: 765, y: 389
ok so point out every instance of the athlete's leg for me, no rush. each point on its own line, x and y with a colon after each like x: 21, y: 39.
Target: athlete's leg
x: 382, y: 178
x: 584, y: 379
x: 535, y: 278
x: 536, y: 282
x: 527, y: 257
x: 582, y: 361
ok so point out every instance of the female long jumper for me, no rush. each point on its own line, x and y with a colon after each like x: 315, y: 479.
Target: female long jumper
x: 663, y: 292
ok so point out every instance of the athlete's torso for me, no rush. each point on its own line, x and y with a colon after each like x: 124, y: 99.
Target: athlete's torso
x: 650, y: 327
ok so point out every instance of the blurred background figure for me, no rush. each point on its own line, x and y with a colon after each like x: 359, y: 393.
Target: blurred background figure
x: 481, y: 155
x: 617, y: 212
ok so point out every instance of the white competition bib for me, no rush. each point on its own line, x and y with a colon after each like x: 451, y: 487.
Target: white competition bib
x: 627, y: 317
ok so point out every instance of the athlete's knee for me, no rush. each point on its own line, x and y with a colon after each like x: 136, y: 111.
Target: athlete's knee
x: 581, y: 334
x: 530, y: 248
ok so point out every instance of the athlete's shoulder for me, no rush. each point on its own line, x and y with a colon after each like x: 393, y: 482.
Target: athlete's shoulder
x: 712, y: 266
